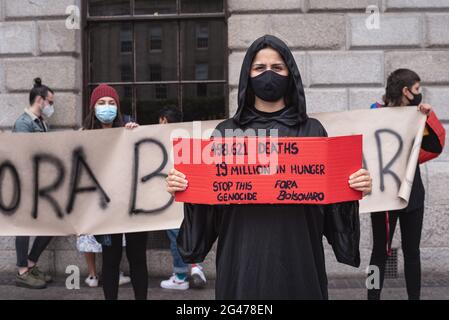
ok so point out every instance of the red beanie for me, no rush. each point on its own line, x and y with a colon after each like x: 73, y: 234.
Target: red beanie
x: 103, y: 90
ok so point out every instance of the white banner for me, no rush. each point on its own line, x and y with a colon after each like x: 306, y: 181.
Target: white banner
x: 113, y: 181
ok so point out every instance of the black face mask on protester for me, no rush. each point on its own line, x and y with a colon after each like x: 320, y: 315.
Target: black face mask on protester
x: 417, y: 98
x: 269, y: 85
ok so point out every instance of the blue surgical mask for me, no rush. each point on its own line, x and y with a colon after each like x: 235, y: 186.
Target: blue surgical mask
x: 106, y: 113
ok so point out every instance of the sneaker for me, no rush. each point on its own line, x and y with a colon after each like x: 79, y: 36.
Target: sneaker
x: 123, y: 279
x: 28, y: 280
x: 40, y: 274
x: 175, y: 283
x: 92, y: 281
x: 197, y: 277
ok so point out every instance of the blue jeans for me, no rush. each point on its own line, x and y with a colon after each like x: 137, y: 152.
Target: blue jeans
x: 178, y: 265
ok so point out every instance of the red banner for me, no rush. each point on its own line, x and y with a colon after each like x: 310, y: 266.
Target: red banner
x: 268, y: 170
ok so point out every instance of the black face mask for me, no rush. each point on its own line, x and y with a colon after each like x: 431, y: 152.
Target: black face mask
x: 269, y: 86
x: 417, y: 98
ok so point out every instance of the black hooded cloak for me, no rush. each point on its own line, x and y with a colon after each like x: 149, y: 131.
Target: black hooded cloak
x: 271, y: 251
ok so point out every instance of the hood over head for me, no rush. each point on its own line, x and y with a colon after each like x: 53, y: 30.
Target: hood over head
x: 295, y: 111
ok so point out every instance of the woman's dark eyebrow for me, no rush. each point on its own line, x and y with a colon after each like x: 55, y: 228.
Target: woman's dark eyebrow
x: 264, y: 65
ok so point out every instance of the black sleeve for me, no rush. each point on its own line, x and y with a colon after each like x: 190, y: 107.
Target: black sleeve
x: 342, y: 231
x: 431, y: 142
x: 198, y: 231
x: 342, y: 225
x: 200, y: 226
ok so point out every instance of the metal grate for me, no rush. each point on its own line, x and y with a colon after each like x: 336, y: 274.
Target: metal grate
x: 131, y: 20
x: 391, y: 267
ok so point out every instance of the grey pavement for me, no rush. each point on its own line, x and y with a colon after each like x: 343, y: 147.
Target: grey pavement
x: 433, y: 288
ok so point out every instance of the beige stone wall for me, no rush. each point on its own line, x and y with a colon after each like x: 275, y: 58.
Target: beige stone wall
x: 34, y: 41
x: 344, y: 66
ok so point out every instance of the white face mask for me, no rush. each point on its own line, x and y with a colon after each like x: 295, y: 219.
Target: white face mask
x: 48, y: 111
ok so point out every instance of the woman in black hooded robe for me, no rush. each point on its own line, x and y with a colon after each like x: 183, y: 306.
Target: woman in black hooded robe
x: 270, y: 251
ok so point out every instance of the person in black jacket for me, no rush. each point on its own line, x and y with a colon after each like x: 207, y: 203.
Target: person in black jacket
x: 270, y: 251
x: 403, y: 89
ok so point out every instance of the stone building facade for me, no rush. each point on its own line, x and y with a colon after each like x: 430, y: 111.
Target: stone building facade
x: 343, y: 62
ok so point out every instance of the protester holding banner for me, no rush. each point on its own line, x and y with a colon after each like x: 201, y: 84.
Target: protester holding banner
x: 87, y: 244
x: 33, y: 120
x: 105, y: 113
x: 270, y: 251
x: 179, y: 281
x: 403, y: 89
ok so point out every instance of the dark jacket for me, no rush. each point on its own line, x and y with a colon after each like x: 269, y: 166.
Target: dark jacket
x: 271, y: 251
